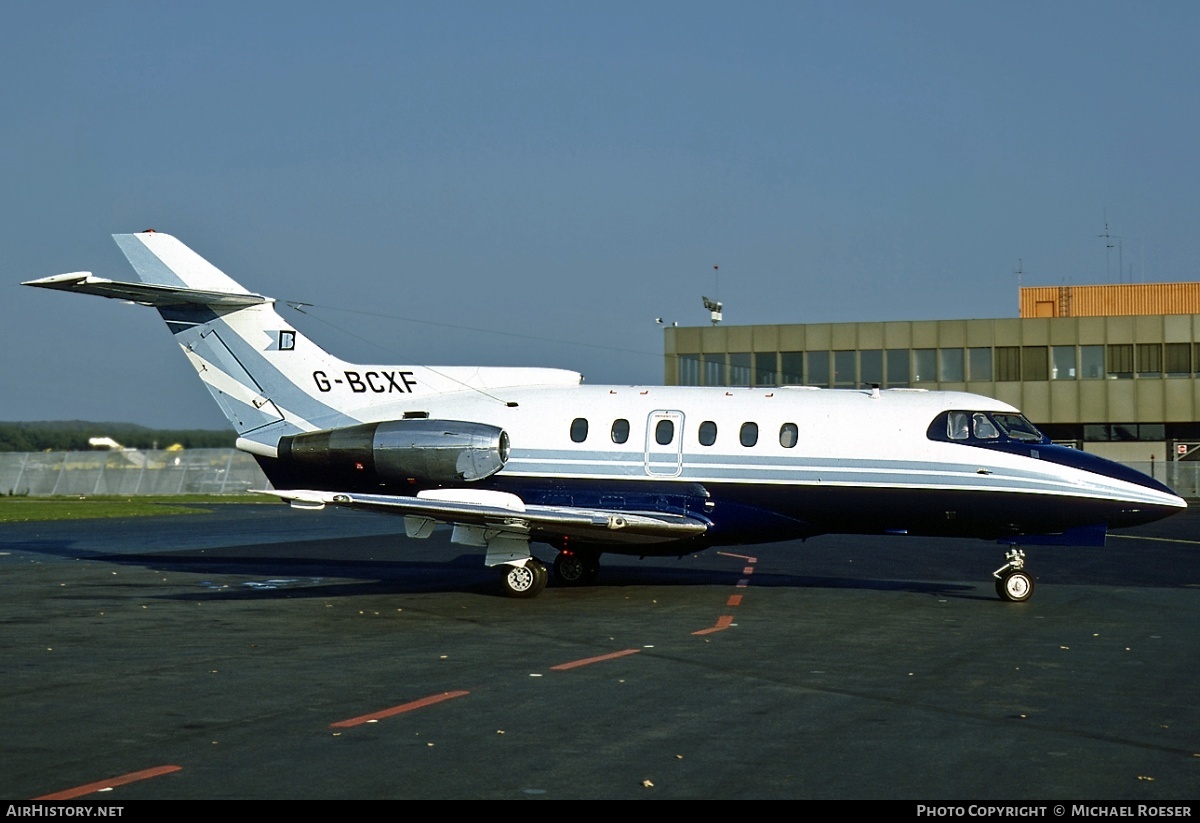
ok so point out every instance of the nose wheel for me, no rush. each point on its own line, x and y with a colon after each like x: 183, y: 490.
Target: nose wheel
x: 1013, y: 583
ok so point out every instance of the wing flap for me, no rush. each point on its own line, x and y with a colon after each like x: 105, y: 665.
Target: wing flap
x: 496, y: 513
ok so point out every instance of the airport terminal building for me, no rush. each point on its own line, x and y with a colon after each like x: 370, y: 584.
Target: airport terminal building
x: 1112, y: 369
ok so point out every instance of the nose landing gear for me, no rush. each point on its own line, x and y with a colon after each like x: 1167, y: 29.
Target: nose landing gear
x: 1013, y: 583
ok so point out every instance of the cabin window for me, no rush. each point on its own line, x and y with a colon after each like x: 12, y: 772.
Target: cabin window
x: 579, y: 429
x: 708, y: 433
x: 620, y: 431
x: 749, y: 434
x: 664, y: 432
x: 789, y: 435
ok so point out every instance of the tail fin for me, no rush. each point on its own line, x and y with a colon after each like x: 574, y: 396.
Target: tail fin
x: 269, y: 379
x: 252, y: 362
x: 161, y: 260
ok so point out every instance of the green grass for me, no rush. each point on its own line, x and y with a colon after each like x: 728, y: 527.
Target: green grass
x: 26, y: 509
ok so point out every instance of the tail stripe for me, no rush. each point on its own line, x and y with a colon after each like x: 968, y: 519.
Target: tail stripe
x: 148, y: 267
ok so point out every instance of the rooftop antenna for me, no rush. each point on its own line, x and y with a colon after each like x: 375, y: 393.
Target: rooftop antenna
x: 714, y: 306
x: 1018, y: 274
x: 1108, y: 245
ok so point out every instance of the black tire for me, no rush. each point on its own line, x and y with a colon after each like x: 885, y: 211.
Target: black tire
x: 1015, y: 586
x: 524, y: 581
x: 543, y: 574
x: 576, y: 568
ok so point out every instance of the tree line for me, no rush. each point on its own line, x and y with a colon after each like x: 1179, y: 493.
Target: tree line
x: 73, y: 435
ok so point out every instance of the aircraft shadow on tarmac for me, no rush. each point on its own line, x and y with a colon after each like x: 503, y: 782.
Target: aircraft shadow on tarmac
x: 346, y: 567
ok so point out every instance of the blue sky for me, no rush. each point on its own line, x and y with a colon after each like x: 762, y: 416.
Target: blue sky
x: 565, y: 172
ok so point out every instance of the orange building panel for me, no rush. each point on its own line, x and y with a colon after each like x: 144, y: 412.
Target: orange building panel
x: 1110, y: 300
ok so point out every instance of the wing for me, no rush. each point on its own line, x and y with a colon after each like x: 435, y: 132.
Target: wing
x: 501, y: 513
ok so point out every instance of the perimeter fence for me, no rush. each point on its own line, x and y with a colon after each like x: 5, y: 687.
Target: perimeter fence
x: 1181, y: 476
x: 130, y: 472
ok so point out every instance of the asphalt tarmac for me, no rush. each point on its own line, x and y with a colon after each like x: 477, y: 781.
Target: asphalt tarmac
x: 259, y: 652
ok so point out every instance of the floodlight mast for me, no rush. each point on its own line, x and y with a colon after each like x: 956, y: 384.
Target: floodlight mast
x: 713, y: 307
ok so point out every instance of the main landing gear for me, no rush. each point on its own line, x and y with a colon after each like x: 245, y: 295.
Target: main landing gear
x: 1013, y: 583
x: 576, y: 568
x: 571, y: 568
x: 526, y: 580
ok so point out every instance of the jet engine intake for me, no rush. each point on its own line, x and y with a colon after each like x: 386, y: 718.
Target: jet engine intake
x: 397, y: 451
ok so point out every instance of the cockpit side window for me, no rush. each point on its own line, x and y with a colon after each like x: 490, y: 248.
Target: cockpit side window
x: 982, y: 428
x: 958, y: 426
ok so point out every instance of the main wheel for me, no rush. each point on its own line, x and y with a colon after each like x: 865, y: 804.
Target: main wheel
x: 576, y: 568
x: 1015, y: 586
x: 524, y: 581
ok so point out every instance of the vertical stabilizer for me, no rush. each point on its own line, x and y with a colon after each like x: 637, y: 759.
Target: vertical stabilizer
x: 161, y: 260
x: 256, y: 366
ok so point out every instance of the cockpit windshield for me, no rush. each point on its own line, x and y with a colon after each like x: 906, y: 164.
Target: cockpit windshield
x: 984, y: 427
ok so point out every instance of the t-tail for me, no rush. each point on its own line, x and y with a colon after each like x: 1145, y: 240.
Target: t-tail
x: 269, y: 379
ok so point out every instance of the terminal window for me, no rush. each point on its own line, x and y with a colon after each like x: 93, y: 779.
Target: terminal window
x: 1008, y: 363
x: 1177, y: 359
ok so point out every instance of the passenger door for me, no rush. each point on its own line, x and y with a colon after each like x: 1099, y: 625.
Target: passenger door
x: 664, y: 443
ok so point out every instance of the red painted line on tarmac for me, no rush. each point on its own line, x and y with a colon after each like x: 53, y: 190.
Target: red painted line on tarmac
x: 723, y: 623
x: 734, y: 600
x: 394, y: 710
x: 745, y: 557
x: 575, y: 664
x: 111, y: 783
x: 748, y: 570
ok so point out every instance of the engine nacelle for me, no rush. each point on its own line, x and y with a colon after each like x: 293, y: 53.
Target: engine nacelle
x: 399, y: 451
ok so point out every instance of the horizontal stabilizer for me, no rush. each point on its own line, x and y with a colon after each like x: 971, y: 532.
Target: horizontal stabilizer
x: 146, y: 294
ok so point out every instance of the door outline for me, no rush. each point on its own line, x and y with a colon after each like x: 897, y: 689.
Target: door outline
x: 664, y: 460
